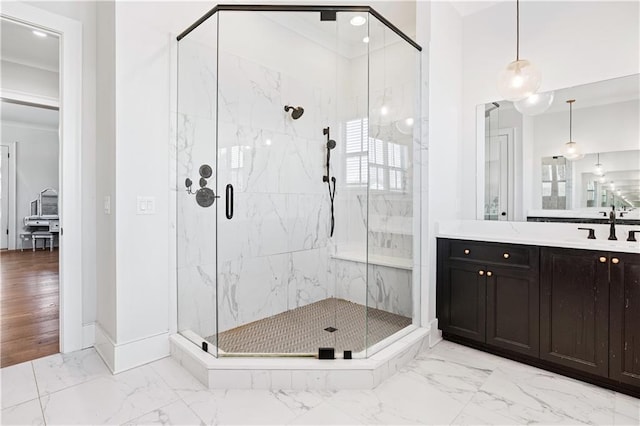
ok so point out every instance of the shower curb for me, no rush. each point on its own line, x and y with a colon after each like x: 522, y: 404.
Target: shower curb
x: 298, y: 373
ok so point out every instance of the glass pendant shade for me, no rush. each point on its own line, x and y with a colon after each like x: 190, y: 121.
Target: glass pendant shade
x: 599, y: 171
x: 519, y: 80
x: 534, y: 104
x: 572, y: 151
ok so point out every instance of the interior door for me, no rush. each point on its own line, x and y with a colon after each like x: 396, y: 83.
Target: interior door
x: 4, y: 197
x: 499, y: 175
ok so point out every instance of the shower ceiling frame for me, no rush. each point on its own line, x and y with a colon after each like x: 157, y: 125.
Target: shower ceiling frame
x: 300, y: 8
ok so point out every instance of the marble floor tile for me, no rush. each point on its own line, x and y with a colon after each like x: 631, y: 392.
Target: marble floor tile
x: 474, y: 414
x: 251, y: 407
x: 459, y: 381
x: 627, y: 410
x: 406, y: 398
x: 59, y: 371
x: 532, y: 395
x: 18, y: 384
x: 324, y: 414
x: 176, y: 376
x: 176, y: 413
x: 108, y: 399
x: 26, y: 413
x: 466, y: 356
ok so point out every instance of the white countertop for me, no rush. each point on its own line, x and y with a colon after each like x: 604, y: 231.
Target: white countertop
x: 540, y: 234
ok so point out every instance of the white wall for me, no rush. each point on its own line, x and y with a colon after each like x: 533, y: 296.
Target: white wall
x: 36, y: 164
x: 445, y: 155
x: 572, y: 43
x: 105, y: 175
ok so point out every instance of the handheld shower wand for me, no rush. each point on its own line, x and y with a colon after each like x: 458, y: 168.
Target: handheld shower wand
x: 331, y: 144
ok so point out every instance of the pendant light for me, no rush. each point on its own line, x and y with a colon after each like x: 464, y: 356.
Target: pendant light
x: 571, y: 151
x: 520, y: 79
x: 598, y: 171
x: 534, y: 104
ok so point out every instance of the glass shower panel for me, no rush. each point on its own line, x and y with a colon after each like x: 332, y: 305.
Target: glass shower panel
x: 274, y: 220
x: 394, y: 184
x: 348, y: 245
x: 195, y: 178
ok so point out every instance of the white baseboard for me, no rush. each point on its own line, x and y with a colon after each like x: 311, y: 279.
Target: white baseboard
x: 88, y: 335
x: 105, y: 347
x: 435, y: 335
x: 124, y: 356
x: 143, y: 351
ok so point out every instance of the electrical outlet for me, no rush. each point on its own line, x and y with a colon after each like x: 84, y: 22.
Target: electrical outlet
x: 107, y: 204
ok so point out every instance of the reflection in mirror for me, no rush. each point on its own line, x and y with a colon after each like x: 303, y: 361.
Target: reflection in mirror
x: 527, y: 176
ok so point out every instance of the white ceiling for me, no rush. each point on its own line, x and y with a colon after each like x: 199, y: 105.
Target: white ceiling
x: 29, y: 115
x: 19, y: 44
x: 466, y: 8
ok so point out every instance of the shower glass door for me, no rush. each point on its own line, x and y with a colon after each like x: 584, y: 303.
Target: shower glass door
x: 277, y: 94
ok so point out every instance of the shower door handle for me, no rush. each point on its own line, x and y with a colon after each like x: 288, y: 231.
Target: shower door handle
x: 229, y: 201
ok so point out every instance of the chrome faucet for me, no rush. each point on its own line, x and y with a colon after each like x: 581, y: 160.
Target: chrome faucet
x: 612, y: 222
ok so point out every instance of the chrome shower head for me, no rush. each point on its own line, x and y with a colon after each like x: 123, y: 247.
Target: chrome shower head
x: 297, y: 111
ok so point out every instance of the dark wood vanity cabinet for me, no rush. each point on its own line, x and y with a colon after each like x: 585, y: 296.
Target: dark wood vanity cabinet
x: 624, y: 318
x: 488, y: 292
x: 572, y: 311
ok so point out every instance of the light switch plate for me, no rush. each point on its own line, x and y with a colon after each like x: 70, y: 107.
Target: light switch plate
x: 145, y: 205
x: 107, y: 204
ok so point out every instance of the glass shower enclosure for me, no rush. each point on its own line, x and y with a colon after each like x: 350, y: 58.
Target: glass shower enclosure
x: 298, y: 198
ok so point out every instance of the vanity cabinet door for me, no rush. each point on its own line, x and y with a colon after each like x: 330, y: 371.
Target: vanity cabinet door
x: 574, y: 309
x: 462, y: 299
x: 513, y: 320
x: 625, y: 318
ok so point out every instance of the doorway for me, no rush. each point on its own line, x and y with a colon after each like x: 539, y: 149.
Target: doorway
x: 70, y: 206
x: 29, y: 117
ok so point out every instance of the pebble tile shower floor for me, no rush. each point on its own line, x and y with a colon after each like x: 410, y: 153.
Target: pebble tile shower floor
x: 303, y: 330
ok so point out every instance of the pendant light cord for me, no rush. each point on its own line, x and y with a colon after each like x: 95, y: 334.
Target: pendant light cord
x: 570, y: 120
x: 517, y: 30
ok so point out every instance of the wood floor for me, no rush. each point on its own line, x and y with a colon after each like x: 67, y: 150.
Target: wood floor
x: 29, y: 305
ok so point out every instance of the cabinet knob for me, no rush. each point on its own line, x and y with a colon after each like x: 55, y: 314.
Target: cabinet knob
x: 506, y: 255
x: 489, y: 273
x: 481, y: 272
x: 466, y: 251
x: 615, y: 260
x: 603, y: 259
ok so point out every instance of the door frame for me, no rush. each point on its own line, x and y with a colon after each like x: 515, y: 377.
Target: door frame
x: 70, y: 156
x: 12, y: 209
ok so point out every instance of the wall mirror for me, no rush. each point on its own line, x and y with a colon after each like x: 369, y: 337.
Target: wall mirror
x: 526, y: 172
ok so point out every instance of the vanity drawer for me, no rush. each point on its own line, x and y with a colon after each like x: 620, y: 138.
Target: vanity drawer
x: 504, y: 254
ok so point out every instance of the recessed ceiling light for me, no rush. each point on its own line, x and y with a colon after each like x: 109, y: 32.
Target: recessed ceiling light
x: 365, y: 40
x: 358, y: 20
x: 39, y: 33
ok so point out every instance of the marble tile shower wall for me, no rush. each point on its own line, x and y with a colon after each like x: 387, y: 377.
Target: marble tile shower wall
x: 273, y: 255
